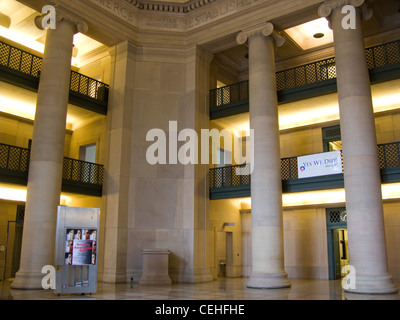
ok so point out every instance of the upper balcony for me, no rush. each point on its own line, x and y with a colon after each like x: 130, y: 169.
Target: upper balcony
x: 22, y: 69
x: 225, y: 182
x: 306, y: 81
x: 78, y: 176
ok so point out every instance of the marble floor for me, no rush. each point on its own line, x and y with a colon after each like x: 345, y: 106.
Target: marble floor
x: 221, y: 289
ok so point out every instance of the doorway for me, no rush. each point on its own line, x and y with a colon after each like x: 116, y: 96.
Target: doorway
x: 88, y: 152
x: 13, y: 244
x: 224, y: 253
x: 341, y: 255
x: 338, y: 253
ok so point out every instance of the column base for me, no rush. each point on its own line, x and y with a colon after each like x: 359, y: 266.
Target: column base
x: 372, y: 285
x: 268, y: 281
x: 27, y: 281
x: 115, y: 277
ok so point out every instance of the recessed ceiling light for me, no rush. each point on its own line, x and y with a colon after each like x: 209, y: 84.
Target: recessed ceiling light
x: 311, y: 34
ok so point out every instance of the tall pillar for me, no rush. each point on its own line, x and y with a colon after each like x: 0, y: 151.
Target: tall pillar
x: 117, y: 188
x: 266, y: 183
x: 367, y: 247
x: 47, y: 152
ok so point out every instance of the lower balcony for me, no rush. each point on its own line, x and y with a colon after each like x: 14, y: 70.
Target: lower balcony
x: 234, y: 181
x: 78, y: 176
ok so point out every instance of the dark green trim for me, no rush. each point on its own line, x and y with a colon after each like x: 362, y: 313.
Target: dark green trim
x: 307, y: 91
x: 13, y: 176
x: 390, y: 175
x: 230, y: 192
x: 19, y: 79
x: 386, y: 73
x: 87, y: 103
x: 229, y: 109
x: 82, y: 188
x: 295, y: 185
x: 315, y: 183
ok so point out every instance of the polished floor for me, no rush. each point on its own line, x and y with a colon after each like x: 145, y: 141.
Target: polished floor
x: 221, y: 289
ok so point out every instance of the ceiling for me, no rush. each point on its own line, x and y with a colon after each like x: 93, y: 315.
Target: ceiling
x: 18, y: 19
x: 384, y: 25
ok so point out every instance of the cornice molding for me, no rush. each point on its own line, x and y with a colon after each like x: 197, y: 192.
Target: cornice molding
x: 265, y: 29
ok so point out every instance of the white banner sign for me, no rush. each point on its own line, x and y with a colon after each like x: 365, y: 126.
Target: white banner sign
x: 319, y: 164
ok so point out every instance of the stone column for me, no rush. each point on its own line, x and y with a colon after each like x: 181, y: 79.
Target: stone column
x: 367, y: 247
x: 46, y: 159
x: 266, y: 183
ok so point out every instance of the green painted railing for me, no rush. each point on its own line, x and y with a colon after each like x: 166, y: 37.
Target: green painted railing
x: 388, y: 154
x: 30, y: 65
x: 16, y: 160
x: 310, y: 74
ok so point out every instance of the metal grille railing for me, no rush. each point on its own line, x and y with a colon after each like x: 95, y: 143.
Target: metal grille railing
x: 289, y: 168
x: 82, y: 171
x: 236, y: 92
x: 383, y: 55
x: 16, y: 159
x: 388, y: 154
x: 307, y: 74
x: 229, y: 176
x: 88, y: 86
x: 29, y: 64
x: 20, y: 60
x: 316, y: 72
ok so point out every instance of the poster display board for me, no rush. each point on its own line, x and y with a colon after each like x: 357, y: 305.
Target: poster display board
x: 319, y: 164
x: 76, y: 250
x: 80, y: 247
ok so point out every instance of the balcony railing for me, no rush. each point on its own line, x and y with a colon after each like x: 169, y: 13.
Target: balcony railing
x: 229, y: 176
x: 82, y: 171
x: 306, y: 75
x: 388, y: 154
x: 31, y: 65
x: 14, y: 158
x: 15, y: 161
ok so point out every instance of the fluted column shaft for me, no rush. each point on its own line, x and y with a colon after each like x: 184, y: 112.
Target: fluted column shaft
x: 47, y: 152
x: 367, y: 247
x: 266, y: 184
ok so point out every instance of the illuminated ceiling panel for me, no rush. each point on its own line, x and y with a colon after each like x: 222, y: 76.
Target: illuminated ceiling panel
x: 312, y: 34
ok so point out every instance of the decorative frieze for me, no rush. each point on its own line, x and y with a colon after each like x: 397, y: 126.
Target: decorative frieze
x: 165, y: 16
x: 120, y: 9
x: 215, y: 11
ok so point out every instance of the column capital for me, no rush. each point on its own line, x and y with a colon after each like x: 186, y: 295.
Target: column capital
x: 265, y: 29
x: 325, y: 10
x: 63, y: 14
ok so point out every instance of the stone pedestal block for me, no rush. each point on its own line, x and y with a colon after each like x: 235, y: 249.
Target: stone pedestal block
x: 155, y: 267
